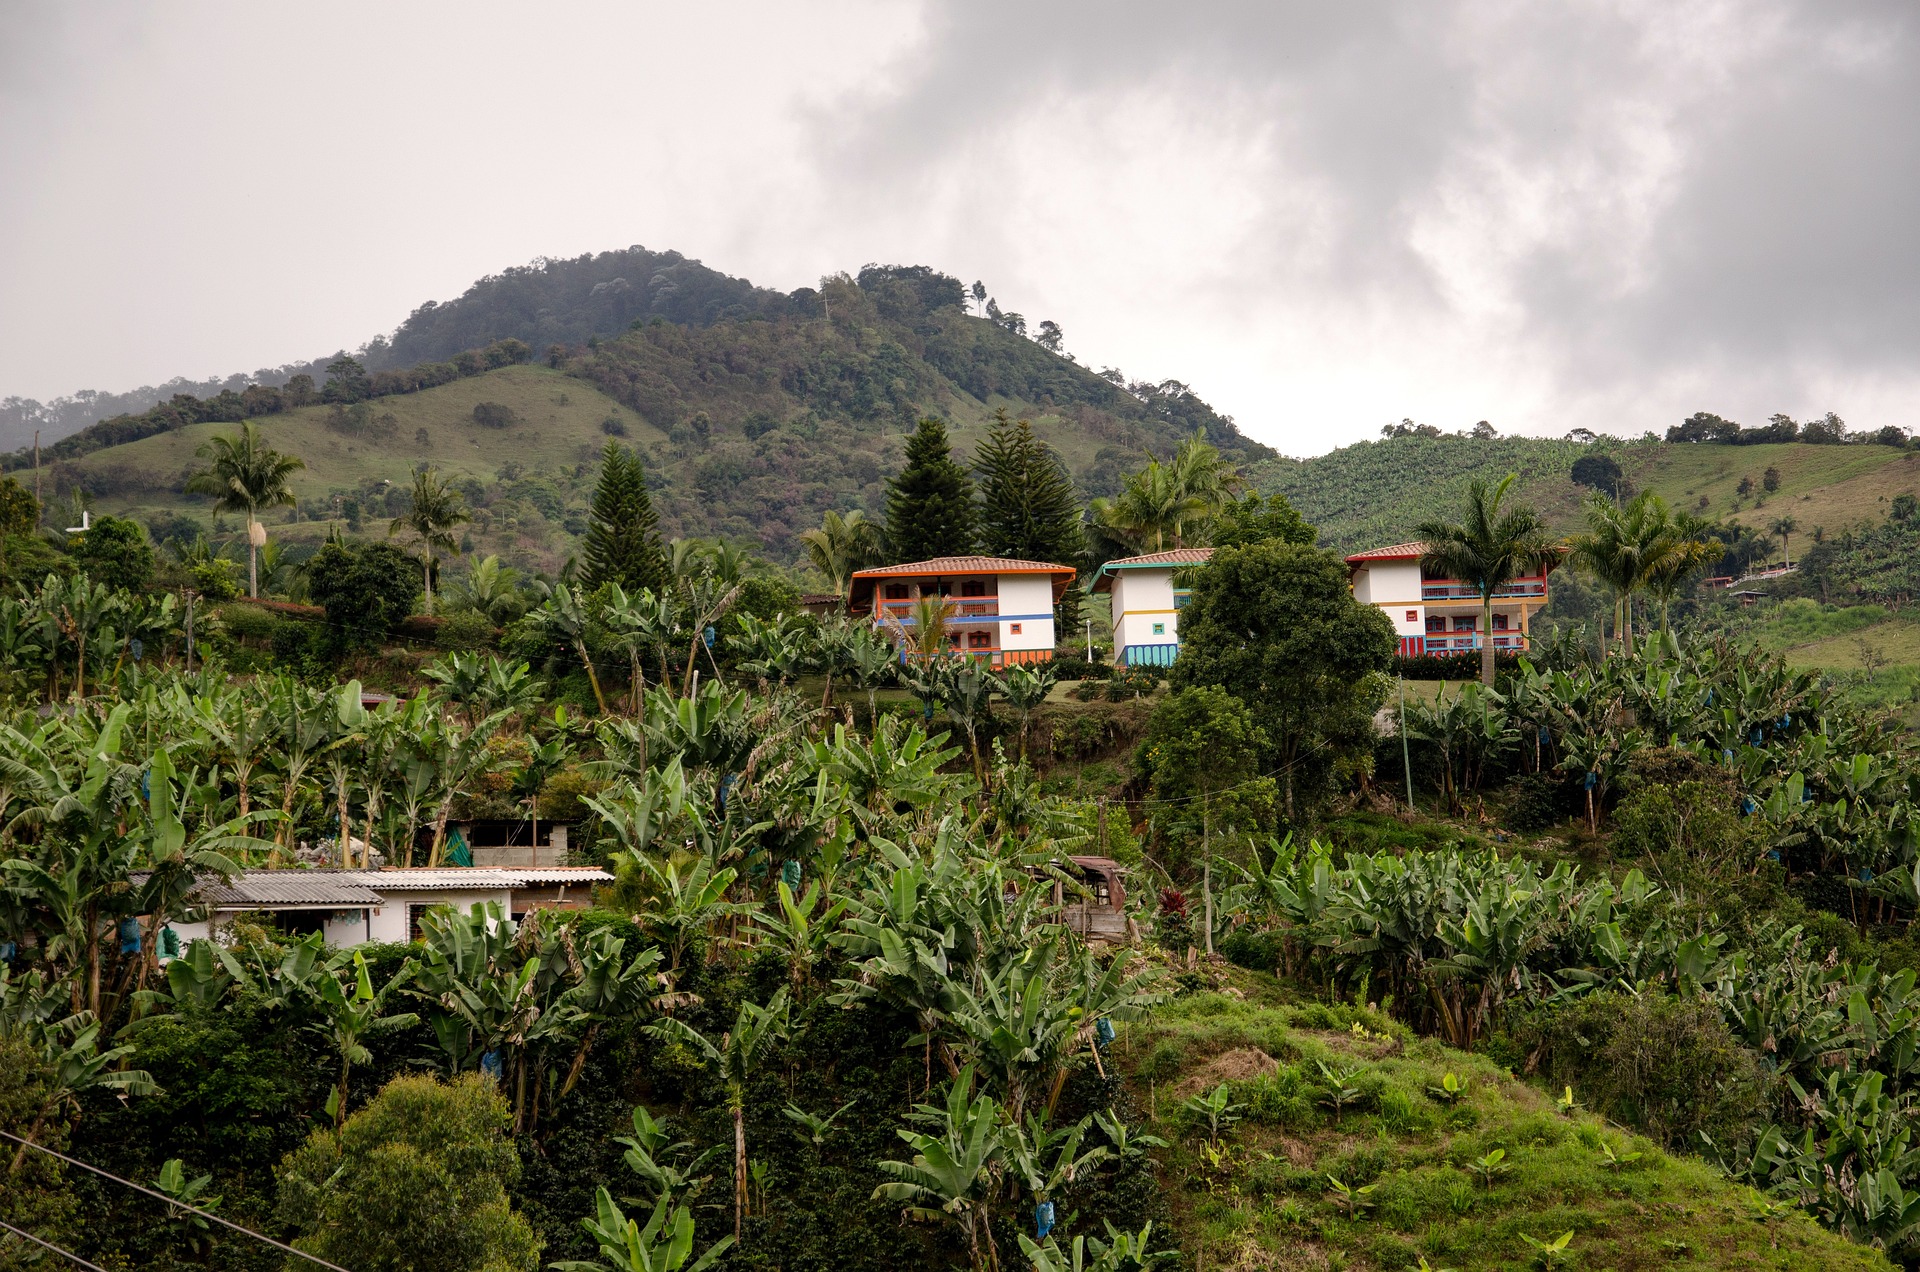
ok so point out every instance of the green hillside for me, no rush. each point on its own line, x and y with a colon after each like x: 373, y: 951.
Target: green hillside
x: 1376, y: 492
x: 751, y: 428
x: 1260, y: 1193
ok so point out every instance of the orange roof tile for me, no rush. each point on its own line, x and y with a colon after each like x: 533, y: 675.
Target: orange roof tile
x: 965, y: 565
x: 1392, y: 552
x: 1175, y: 556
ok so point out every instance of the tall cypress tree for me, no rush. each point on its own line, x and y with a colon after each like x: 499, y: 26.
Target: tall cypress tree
x: 930, y: 510
x: 1028, y: 506
x: 622, y: 543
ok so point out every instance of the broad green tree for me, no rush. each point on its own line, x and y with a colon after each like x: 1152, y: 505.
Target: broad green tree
x: 244, y: 474
x: 1275, y: 625
x: 416, y: 1181
x: 114, y: 551
x: 622, y: 544
x: 1489, y: 547
x: 436, y: 510
x: 930, y: 509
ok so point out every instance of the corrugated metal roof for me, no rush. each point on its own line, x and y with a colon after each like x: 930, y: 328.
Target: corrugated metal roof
x: 441, y: 878
x: 560, y: 874
x: 965, y: 565
x: 1392, y: 552
x: 268, y: 888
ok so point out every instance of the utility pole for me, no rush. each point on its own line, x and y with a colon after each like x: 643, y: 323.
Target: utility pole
x: 1206, y: 864
x: 36, y: 467
x: 1406, y: 761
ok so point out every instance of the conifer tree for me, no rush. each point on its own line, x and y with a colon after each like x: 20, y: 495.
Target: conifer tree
x: 1028, y: 506
x: 930, y: 510
x: 622, y: 543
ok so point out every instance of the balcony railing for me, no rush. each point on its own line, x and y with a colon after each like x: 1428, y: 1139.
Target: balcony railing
x: 963, y: 609
x: 1449, y: 590
x: 1456, y: 642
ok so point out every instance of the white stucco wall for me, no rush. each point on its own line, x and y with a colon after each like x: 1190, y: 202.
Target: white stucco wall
x: 390, y: 919
x: 1142, y: 598
x: 1389, y: 583
x: 1026, y: 599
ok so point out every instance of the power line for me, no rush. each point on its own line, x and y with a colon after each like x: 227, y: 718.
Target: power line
x: 76, y: 1260
x: 204, y: 1214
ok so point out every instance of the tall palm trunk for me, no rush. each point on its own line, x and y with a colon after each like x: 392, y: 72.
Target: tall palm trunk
x: 253, y: 562
x: 739, y: 1168
x: 1486, y: 638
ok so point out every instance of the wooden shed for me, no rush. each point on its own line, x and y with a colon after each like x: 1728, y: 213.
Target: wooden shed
x: 1102, y: 914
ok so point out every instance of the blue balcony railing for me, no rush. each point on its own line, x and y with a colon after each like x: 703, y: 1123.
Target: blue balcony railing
x: 1447, y: 590
x: 1458, y: 642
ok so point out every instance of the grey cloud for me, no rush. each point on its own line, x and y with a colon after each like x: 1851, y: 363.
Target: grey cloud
x: 1781, y: 228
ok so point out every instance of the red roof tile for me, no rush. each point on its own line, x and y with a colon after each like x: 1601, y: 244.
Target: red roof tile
x: 1176, y: 556
x: 964, y: 565
x: 1392, y: 552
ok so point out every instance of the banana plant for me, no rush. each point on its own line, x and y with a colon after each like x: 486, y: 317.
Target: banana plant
x: 663, y: 1163
x: 739, y: 1053
x: 351, y: 1013
x: 956, y: 1168
x: 799, y: 932
x: 665, y: 1244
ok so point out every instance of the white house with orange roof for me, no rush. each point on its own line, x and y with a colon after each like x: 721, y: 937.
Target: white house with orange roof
x: 1146, y: 604
x: 1002, y: 607
x: 1434, y: 615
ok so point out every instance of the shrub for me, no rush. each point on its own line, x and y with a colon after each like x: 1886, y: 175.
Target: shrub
x: 115, y: 551
x: 418, y: 1179
x: 1464, y: 665
x: 1665, y: 1065
x: 495, y: 415
x: 468, y: 629
x: 366, y: 589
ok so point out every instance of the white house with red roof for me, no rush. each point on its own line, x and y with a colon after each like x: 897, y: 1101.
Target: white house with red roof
x: 1434, y: 615
x: 1002, y: 607
x: 1147, y: 601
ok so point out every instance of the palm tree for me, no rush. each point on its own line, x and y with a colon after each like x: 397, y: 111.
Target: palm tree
x: 842, y: 545
x: 1152, y: 511
x: 437, y: 508
x: 1784, y: 527
x: 1693, y: 550
x: 1489, y: 549
x: 245, y: 475
x: 1626, y: 547
x: 1200, y: 471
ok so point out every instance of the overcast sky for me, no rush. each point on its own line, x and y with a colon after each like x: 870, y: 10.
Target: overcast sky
x: 1322, y: 216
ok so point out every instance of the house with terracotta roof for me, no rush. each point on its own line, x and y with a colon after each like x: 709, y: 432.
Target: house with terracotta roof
x: 1146, y: 604
x: 1435, y: 615
x: 1002, y: 607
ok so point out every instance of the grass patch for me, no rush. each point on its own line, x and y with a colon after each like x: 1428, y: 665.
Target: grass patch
x: 1334, y: 1091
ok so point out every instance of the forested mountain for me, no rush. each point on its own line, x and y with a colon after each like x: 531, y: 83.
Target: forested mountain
x: 568, y: 302
x: 754, y: 417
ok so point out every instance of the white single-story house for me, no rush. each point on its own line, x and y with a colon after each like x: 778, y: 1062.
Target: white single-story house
x: 1002, y: 607
x: 353, y: 907
x: 1147, y: 604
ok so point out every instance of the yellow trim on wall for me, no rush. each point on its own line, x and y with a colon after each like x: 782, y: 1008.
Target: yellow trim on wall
x: 1130, y: 613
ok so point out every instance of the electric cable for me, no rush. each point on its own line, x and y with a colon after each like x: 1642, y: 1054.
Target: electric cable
x: 160, y: 1196
x: 69, y: 1255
